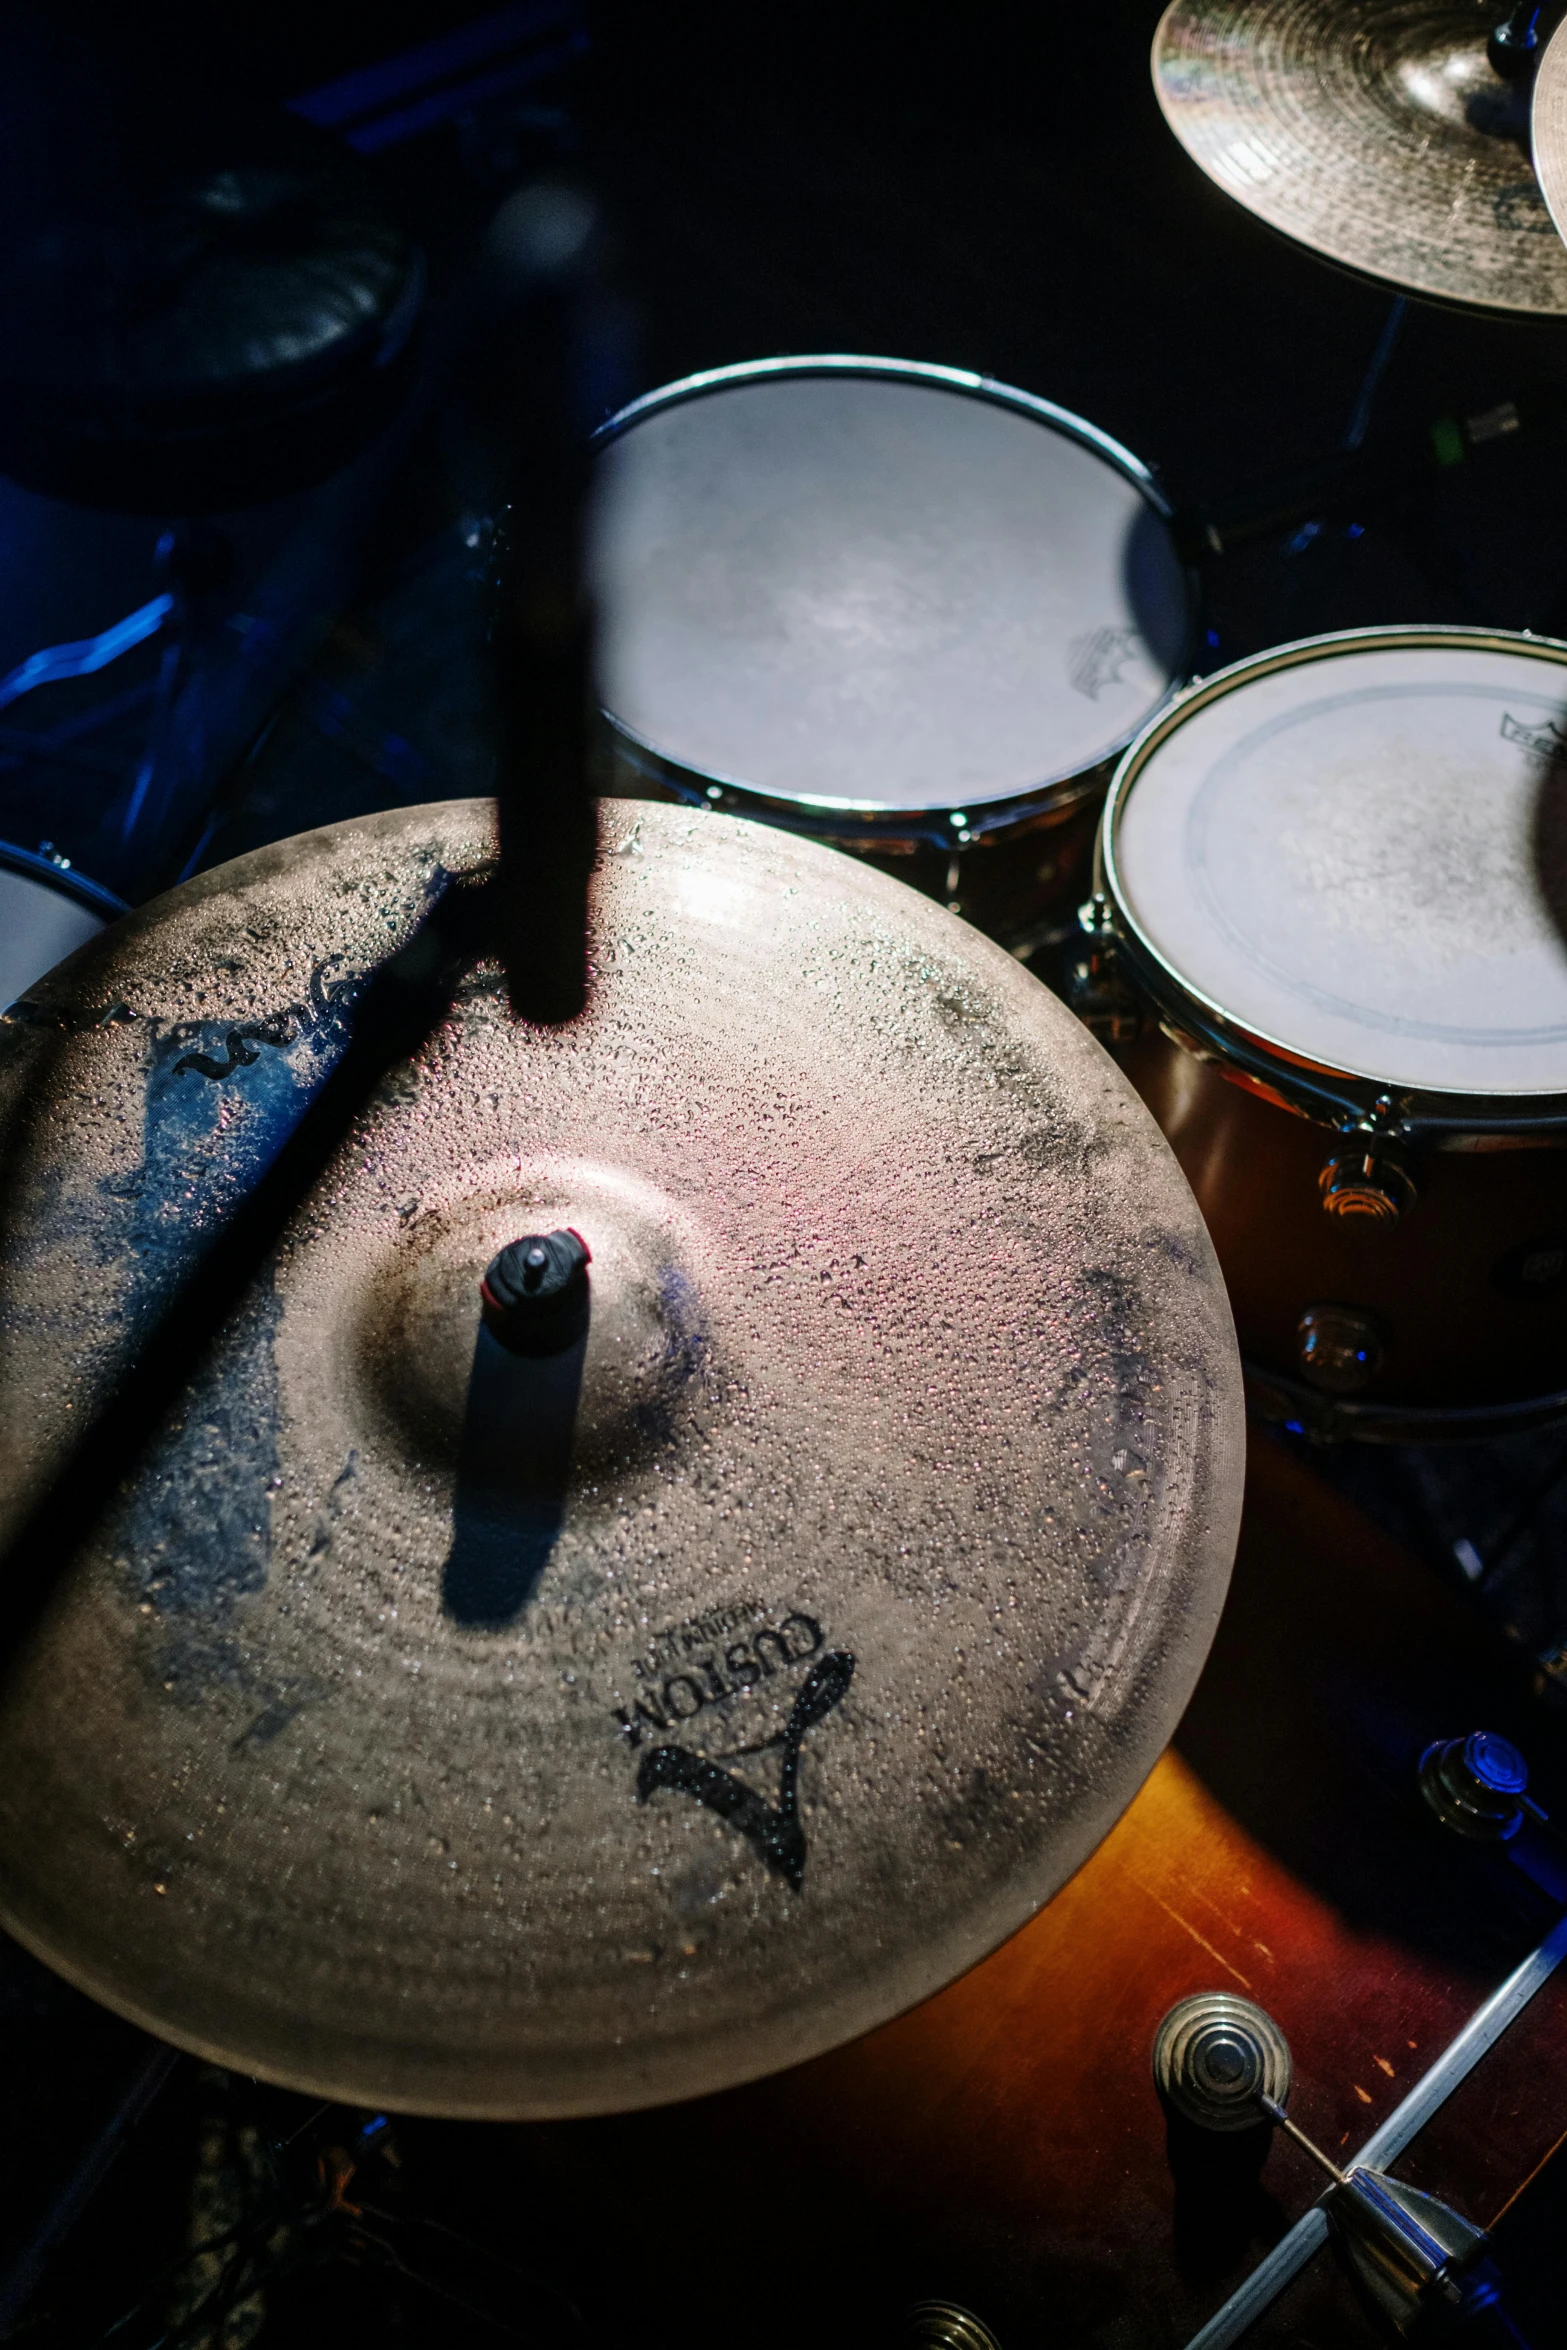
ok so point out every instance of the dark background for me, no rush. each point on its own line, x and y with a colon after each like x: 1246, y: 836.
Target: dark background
x: 991, y: 187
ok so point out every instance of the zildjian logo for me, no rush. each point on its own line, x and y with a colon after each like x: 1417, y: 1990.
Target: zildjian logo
x: 1547, y: 742
x: 774, y: 1829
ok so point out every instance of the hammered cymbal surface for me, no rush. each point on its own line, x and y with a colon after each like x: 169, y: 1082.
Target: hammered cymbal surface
x: 1373, y: 131
x: 420, y: 1728
x: 1548, y: 126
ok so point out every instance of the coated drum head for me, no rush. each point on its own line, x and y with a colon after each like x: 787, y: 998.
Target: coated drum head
x: 44, y: 916
x: 1356, y: 850
x: 500, y: 1734
x: 879, y: 592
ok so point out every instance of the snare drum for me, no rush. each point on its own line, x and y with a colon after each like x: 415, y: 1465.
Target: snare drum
x: 1336, y: 875
x: 47, y: 910
x: 904, y: 609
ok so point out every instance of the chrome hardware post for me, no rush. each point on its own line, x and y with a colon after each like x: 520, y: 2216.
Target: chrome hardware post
x: 1224, y: 2064
x: 1097, y: 989
x: 1216, y: 2055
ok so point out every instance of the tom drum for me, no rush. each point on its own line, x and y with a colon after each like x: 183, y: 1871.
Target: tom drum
x: 47, y: 910
x: 1331, y: 940
x: 901, y: 608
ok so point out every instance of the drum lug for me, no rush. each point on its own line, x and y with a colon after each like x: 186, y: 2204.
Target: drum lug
x: 1371, y: 1181
x: 945, y: 2325
x: 1340, y: 1348
x: 1478, y: 1786
x: 1097, y: 989
x: 1215, y: 2054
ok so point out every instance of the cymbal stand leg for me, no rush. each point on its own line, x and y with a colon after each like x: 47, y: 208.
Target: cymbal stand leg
x: 1371, y: 384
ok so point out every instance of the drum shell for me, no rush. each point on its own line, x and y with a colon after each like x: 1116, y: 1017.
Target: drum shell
x: 1457, y: 1334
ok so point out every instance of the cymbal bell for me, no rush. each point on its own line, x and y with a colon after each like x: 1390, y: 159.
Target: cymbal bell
x: 1376, y: 133
x: 507, y: 1716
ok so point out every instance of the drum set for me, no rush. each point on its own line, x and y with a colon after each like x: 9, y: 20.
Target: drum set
x: 701, y: 1516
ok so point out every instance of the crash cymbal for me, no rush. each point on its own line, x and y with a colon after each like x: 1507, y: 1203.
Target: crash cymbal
x: 1549, y: 126
x: 1373, y: 131
x: 490, y: 1733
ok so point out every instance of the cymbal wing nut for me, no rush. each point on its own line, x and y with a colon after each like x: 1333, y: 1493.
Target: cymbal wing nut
x: 534, y: 1294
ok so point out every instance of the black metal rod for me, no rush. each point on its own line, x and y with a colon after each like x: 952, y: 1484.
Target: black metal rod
x: 542, y: 252
x: 22, y: 2278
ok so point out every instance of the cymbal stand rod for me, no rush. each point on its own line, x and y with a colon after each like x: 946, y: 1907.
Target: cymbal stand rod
x: 1365, y: 400
x: 20, y: 2281
x: 1514, y: 45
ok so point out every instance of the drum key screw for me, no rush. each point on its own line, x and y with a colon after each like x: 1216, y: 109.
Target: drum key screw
x: 1513, y: 47
x: 1370, y: 1182
x: 534, y: 1294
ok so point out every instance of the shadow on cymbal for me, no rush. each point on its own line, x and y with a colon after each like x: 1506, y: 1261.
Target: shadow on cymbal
x: 513, y: 1465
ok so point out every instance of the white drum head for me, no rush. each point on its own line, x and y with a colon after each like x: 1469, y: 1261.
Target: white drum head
x: 886, y: 594
x: 1363, y: 858
x: 39, y: 926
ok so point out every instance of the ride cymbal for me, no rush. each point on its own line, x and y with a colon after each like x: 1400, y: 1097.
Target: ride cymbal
x: 490, y: 1732
x: 1373, y: 131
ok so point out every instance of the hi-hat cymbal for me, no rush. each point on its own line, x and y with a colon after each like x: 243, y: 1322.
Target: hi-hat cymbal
x: 1549, y: 126
x: 498, y: 1734
x: 1373, y: 131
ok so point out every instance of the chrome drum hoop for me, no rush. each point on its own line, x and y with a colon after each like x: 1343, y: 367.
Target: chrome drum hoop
x: 1339, y: 1099
x: 61, y: 875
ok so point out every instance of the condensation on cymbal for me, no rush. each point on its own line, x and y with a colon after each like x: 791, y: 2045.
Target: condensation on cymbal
x: 1373, y: 131
x: 908, y: 1346
x: 1549, y: 126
